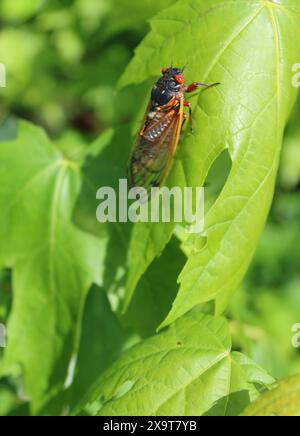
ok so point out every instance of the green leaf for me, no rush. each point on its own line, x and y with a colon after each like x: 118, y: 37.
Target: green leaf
x: 129, y: 14
x: 105, y: 164
x: 156, y: 291
x: 8, y: 130
x: 101, y: 342
x: 188, y: 369
x: 8, y: 399
x: 247, y: 114
x: 290, y: 169
x: 19, y: 9
x: 53, y: 262
x: 283, y: 400
x: 5, y: 295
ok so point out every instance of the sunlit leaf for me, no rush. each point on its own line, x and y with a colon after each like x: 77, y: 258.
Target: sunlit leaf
x: 102, y: 339
x: 187, y: 370
x: 19, y: 9
x: 283, y: 400
x: 247, y: 114
x: 53, y: 262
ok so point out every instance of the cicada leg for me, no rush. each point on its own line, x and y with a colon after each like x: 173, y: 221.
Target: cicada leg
x: 191, y: 88
x: 189, y: 105
x: 195, y: 85
x: 183, y: 122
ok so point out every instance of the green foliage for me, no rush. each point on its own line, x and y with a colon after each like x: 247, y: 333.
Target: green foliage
x: 164, y: 374
x: 284, y: 400
x: 252, y: 134
x: 19, y: 9
x: 82, y: 302
x: 69, y: 60
x: 54, y: 263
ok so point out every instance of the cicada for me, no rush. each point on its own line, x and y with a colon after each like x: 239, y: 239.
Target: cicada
x: 159, y: 136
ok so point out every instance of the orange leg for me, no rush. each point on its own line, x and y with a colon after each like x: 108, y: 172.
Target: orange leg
x: 189, y: 105
x: 183, y: 122
x: 191, y: 88
x: 195, y: 85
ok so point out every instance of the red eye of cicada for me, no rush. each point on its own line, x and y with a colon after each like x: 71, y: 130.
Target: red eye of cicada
x: 179, y: 79
x: 164, y: 70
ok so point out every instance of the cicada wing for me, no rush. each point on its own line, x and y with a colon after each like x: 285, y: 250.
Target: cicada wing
x: 155, y: 148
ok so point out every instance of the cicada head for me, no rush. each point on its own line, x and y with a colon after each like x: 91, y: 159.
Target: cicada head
x: 168, y: 86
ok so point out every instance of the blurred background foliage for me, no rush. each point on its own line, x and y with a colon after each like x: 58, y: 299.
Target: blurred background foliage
x: 64, y: 59
x: 74, y: 52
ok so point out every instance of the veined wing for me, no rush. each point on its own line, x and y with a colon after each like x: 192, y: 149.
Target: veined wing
x: 155, y: 147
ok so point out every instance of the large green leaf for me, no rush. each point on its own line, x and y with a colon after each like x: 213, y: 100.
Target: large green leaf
x: 131, y: 14
x: 187, y: 370
x: 102, y: 340
x: 283, y: 400
x: 101, y: 343
x: 19, y: 9
x: 104, y: 166
x: 53, y: 262
x: 250, y: 47
x: 156, y: 291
